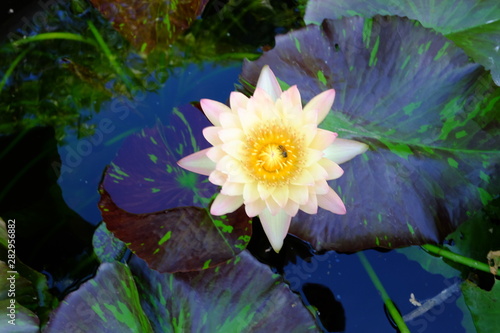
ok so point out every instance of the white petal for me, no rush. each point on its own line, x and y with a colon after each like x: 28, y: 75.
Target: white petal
x: 311, y: 206
x: 229, y: 120
x: 234, y: 148
x: 198, y: 162
x: 333, y: 170
x: 211, y: 133
x: 332, y: 202
x: 280, y: 195
x: 233, y: 189
x: 275, y: 226
x: 216, y: 153
x: 291, y: 98
x: 251, y: 192
x: 298, y: 193
x: 264, y: 190
x: 217, y: 178
x: 322, y: 103
x: 248, y: 119
x: 231, y: 134
x: 255, y: 208
x: 291, y: 208
x: 272, y: 205
x: 237, y: 101
x: 224, y: 204
x: 312, y: 156
x: 262, y: 105
x: 213, y: 110
x: 342, y: 150
x: 322, y: 139
x: 267, y: 81
x: 317, y: 171
x: 304, y: 178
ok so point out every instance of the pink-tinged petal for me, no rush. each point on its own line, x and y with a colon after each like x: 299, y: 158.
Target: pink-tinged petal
x: 237, y: 101
x: 342, y: 150
x: 217, y: 178
x: 216, y: 153
x: 262, y: 105
x: 213, y: 110
x: 255, y: 208
x: 311, y: 206
x: 322, y: 139
x: 233, y: 189
x: 291, y: 208
x: 268, y: 82
x: 299, y: 194
x: 251, y: 192
x: 333, y: 170
x: 224, y: 204
x: 304, y: 178
x: 198, y: 162
x: 291, y: 98
x: 322, y: 103
x: 231, y: 134
x: 211, y: 133
x: 332, y: 202
x: 280, y: 195
x: 321, y: 187
x: 276, y: 227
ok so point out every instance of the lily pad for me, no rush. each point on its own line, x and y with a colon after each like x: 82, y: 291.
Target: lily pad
x: 107, y: 303
x: 107, y: 247
x: 429, y: 115
x: 146, y: 24
x: 471, y: 24
x: 144, y: 176
x: 483, y: 306
x: 242, y: 295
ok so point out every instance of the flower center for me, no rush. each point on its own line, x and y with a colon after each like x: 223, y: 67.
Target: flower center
x: 274, y: 153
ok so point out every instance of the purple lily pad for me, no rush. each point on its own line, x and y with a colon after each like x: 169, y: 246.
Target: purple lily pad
x: 179, y: 239
x: 144, y: 176
x: 471, y: 24
x: 242, y: 295
x: 429, y: 115
x: 107, y: 303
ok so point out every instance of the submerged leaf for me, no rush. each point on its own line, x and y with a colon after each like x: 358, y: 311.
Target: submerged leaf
x: 430, y: 118
x: 483, y: 306
x: 146, y: 24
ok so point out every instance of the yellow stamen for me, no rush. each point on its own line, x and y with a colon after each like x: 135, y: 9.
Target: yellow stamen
x: 274, y: 153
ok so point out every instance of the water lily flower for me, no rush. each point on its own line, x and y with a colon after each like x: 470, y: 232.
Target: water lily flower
x: 269, y: 154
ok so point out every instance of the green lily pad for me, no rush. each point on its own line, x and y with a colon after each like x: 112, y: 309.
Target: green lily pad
x: 484, y: 306
x: 107, y: 303
x: 471, y: 24
x: 429, y: 115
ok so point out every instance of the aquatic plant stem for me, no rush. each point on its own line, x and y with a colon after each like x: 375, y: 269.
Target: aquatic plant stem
x: 11, y: 68
x: 111, y: 57
x: 54, y: 35
x: 396, y: 316
x: 440, y: 251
